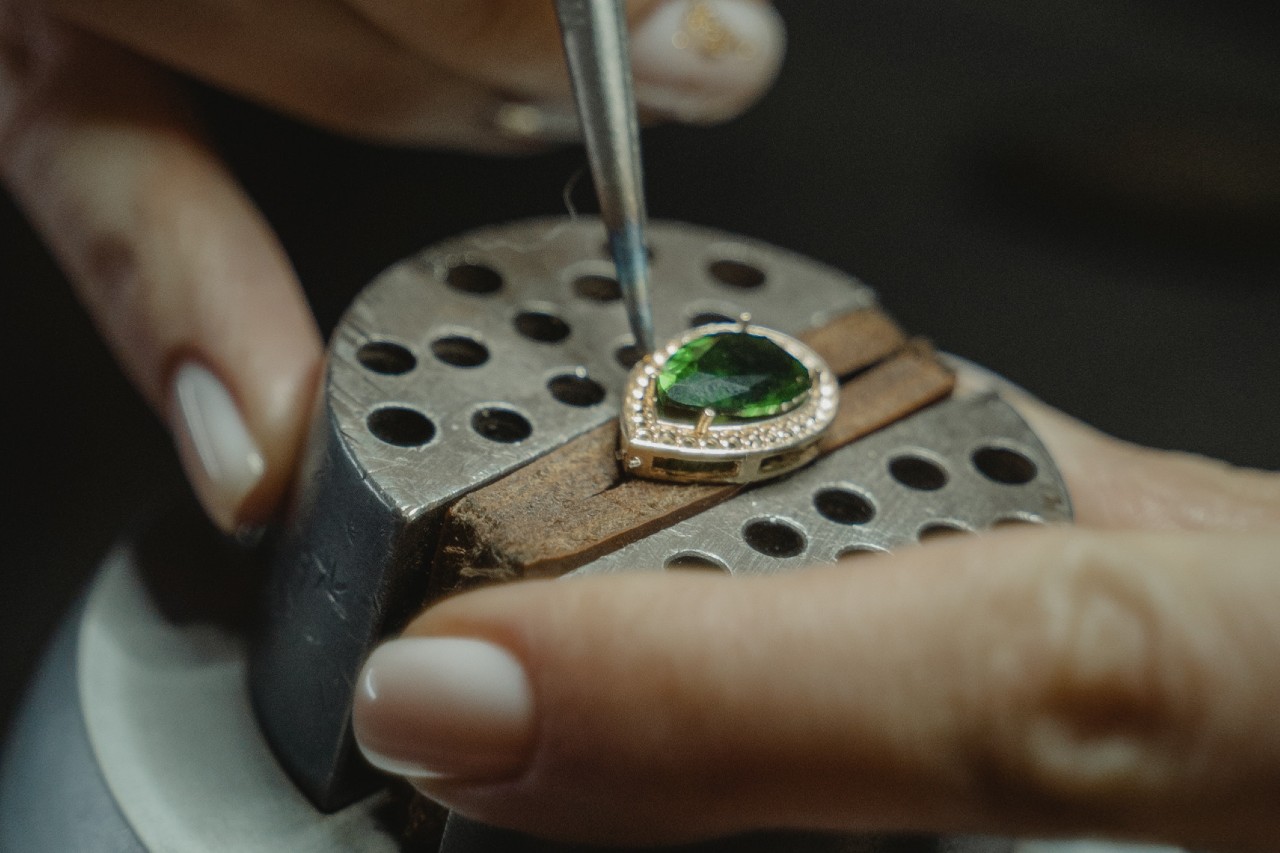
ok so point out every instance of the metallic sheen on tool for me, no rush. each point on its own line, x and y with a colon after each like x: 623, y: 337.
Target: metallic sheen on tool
x: 595, y: 46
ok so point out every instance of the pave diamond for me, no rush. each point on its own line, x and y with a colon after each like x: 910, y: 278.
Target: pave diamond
x: 734, y: 374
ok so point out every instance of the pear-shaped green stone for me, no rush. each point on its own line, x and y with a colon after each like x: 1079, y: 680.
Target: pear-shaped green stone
x: 735, y: 374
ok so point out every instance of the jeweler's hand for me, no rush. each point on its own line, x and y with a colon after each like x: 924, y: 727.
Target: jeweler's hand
x: 1118, y: 678
x: 180, y: 272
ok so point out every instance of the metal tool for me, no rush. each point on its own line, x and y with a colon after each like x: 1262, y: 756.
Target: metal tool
x: 595, y: 46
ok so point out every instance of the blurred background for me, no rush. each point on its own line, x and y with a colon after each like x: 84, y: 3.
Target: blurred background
x: 1082, y: 194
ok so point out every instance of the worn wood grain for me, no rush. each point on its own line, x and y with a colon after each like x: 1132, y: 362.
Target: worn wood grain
x: 573, y: 505
x: 909, y: 380
x: 855, y: 340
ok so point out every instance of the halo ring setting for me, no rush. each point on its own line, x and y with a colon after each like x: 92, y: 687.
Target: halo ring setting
x: 726, y: 403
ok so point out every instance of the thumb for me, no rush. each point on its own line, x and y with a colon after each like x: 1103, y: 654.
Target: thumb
x: 1044, y: 681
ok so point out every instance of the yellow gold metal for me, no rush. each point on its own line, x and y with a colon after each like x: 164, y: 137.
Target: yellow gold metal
x: 705, y: 420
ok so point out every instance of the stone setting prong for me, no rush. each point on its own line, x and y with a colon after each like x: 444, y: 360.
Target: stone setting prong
x: 705, y: 420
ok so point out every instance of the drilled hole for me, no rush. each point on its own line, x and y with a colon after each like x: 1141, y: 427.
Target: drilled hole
x: 774, y: 538
x: 401, y: 427
x: 574, y: 390
x: 939, y: 530
x: 474, y: 278
x: 598, y: 288
x: 916, y: 472
x: 1001, y: 465
x: 699, y: 562
x: 501, y: 425
x: 541, y: 326
x: 844, y: 506
x: 627, y: 356
x: 460, y: 351
x: 703, y: 318
x: 858, y: 552
x: 386, y: 357
x: 736, y: 274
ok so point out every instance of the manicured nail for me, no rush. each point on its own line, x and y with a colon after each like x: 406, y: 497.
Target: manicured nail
x: 445, y: 707
x: 221, y: 458
x: 702, y: 61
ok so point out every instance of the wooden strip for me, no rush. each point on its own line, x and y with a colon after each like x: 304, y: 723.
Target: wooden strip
x: 855, y: 340
x: 572, y: 506
x: 889, y: 392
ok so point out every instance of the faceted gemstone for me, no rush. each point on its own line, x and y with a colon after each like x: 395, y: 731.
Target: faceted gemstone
x: 735, y: 374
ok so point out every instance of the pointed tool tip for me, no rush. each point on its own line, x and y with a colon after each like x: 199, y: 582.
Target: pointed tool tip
x: 631, y: 260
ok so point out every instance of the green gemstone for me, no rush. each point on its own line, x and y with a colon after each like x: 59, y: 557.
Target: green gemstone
x: 735, y: 374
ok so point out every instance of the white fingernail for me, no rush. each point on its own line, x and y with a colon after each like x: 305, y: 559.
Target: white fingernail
x: 221, y: 458
x: 445, y: 707
x: 705, y: 60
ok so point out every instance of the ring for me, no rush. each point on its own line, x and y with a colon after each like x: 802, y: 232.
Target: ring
x: 726, y: 403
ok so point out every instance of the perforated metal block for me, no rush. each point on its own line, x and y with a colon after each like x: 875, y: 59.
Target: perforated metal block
x: 471, y: 359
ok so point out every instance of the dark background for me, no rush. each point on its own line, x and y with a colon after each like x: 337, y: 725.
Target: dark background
x: 1082, y: 194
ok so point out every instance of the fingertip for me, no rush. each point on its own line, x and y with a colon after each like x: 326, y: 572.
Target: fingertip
x: 444, y: 709
x: 705, y: 61
x: 656, y: 722
x: 220, y: 301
